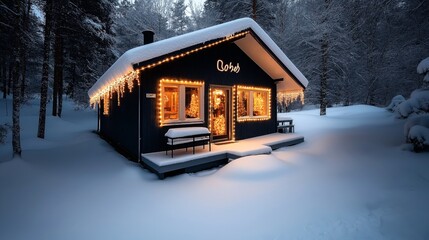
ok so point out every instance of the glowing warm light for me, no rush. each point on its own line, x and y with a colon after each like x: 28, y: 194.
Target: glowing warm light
x: 194, y: 107
x: 219, y: 125
x: 170, y: 100
x: 291, y: 96
x: 118, y: 85
x: 261, y: 109
x: 233, y: 113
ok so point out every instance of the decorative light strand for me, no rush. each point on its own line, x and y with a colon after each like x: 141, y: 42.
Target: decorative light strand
x: 234, y: 93
x: 118, y: 84
x: 165, y: 81
x: 253, y: 118
x: 290, y: 96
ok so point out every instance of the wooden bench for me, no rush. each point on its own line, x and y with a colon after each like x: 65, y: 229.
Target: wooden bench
x: 187, y: 137
x: 286, y: 128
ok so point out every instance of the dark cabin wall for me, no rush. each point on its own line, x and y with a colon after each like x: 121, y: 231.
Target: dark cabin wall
x: 120, y: 127
x: 201, y: 66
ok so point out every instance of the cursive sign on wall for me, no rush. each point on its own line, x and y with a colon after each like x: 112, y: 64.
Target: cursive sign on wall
x: 222, y: 67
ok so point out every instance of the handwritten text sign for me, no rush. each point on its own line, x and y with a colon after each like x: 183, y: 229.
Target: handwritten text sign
x: 222, y: 67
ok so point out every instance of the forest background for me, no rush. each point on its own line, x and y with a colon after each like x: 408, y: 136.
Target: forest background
x: 352, y: 52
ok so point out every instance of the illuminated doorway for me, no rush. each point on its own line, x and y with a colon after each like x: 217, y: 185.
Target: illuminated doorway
x: 220, y: 113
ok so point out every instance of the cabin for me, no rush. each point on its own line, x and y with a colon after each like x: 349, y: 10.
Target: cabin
x: 225, y: 78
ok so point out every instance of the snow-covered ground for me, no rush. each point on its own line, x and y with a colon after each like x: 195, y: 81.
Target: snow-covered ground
x: 350, y: 179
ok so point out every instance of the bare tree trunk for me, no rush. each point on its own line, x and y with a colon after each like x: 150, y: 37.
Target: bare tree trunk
x: 254, y: 7
x: 324, y: 76
x: 26, y: 25
x: 4, y: 78
x: 9, y: 80
x: 324, y: 64
x: 45, y: 71
x: 58, y: 74
x: 16, y: 129
x: 55, y: 85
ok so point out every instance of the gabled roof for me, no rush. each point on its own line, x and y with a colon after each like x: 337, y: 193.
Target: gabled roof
x: 257, y: 45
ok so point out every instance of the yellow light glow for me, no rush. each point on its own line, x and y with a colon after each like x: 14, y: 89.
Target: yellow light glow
x: 258, y: 102
x: 291, y: 96
x: 118, y: 84
x: 162, y: 83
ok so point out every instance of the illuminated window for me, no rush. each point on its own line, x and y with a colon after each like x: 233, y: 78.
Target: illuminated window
x: 243, y: 103
x: 180, y: 101
x: 253, y: 104
x: 260, y: 103
x: 171, y: 102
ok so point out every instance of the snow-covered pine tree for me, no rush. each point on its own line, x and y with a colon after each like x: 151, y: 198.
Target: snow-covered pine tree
x: 179, y: 19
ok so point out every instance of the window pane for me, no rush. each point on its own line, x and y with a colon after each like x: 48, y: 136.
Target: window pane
x: 171, y: 103
x: 242, y: 103
x: 192, y: 102
x: 260, y: 103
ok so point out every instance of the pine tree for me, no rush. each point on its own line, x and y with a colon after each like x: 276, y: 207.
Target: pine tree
x: 179, y: 20
x: 194, y: 107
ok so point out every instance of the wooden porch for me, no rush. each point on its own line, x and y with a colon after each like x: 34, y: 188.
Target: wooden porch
x: 184, y: 161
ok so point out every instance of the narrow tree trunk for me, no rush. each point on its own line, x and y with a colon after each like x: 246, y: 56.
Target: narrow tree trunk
x: 55, y: 85
x: 9, y: 80
x: 3, y: 77
x: 58, y: 74
x: 26, y: 26
x: 16, y: 129
x: 324, y: 62
x: 324, y: 76
x: 254, y: 7
x: 45, y: 70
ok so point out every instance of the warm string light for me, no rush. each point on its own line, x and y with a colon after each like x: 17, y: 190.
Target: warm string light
x: 233, y: 112
x: 291, y: 96
x: 118, y: 85
x: 194, y: 107
x: 256, y: 118
x: 210, y: 110
x: 166, y: 81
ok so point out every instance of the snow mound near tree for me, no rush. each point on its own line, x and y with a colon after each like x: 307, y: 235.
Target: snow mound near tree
x: 417, y: 104
x: 416, y: 131
x: 419, y: 136
x: 396, y: 100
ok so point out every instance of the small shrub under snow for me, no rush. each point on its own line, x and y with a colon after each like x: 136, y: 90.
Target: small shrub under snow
x: 417, y: 104
x: 419, y: 137
x: 396, y: 100
x: 416, y: 131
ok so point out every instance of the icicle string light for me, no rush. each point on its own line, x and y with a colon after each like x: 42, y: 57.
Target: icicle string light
x: 118, y: 84
x: 291, y: 96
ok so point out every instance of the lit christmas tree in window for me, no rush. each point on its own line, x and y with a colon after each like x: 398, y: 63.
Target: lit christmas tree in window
x: 193, y: 109
x: 219, y: 125
x: 258, y: 104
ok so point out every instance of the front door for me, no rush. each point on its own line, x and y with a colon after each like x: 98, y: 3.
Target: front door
x: 220, y: 113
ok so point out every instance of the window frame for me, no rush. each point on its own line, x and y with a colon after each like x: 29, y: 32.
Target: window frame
x: 181, y: 85
x: 250, y: 103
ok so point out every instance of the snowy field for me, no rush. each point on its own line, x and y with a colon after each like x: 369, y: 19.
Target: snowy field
x: 350, y: 179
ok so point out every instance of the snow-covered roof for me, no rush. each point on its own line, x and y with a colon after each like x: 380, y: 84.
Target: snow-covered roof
x: 249, y: 44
